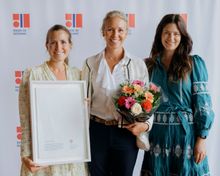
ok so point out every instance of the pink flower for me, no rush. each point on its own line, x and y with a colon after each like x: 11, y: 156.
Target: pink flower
x: 138, y: 82
x: 136, y: 102
x: 129, y: 102
x: 154, y: 88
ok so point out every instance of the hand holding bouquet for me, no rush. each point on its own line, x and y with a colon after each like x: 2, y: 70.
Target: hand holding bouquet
x: 136, y: 102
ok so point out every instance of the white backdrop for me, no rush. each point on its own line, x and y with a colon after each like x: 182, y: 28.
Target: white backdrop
x: 22, y: 39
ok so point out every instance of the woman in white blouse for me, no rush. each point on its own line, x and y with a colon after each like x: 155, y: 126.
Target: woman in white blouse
x: 58, y: 44
x: 113, y: 150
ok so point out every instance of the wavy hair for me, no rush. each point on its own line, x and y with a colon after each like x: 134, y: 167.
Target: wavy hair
x: 181, y: 62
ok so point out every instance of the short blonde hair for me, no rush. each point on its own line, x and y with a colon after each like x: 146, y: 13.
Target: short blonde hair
x: 112, y: 14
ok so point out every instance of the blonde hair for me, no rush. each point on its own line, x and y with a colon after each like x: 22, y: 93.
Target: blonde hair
x: 112, y: 14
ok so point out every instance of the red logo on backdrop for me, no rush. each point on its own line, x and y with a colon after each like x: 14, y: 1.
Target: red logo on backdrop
x: 21, y: 20
x: 18, y: 79
x: 74, y: 22
x: 21, y: 23
x: 19, y: 135
x: 131, y: 20
x: 185, y: 17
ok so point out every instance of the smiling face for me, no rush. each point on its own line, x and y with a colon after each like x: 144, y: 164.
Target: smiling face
x: 115, y: 32
x: 59, y: 45
x: 170, y: 37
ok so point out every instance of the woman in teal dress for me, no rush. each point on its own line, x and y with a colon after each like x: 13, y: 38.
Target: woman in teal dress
x: 185, y: 116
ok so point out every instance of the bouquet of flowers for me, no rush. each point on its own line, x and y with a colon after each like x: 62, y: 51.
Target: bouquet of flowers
x: 136, y: 102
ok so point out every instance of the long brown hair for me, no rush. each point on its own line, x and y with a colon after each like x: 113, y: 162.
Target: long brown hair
x: 58, y: 27
x: 181, y: 62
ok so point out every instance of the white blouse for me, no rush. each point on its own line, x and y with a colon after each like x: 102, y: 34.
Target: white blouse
x: 106, y: 84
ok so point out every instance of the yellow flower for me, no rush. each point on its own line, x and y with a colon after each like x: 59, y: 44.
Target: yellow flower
x: 138, y: 88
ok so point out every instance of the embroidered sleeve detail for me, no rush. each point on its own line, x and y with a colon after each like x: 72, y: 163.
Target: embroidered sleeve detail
x: 202, y: 104
x: 200, y: 88
x: 204, y: 116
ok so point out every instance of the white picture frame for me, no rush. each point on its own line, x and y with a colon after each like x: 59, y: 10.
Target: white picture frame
x: 59, y: 122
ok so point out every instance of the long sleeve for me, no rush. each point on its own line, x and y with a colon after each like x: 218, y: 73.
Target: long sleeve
x: 24, y: 112
x: 202, y: 104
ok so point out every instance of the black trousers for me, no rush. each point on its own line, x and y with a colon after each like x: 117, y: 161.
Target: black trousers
x: 113, y: 150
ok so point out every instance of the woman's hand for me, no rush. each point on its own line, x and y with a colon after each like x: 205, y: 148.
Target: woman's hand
x: 137, y: 127
x: 199, y: 150
x: 33, y: 167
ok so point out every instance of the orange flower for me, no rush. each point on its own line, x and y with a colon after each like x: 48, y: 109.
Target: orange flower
x: 127, y: 90
x: 147, y: 105
x: 149, y: 96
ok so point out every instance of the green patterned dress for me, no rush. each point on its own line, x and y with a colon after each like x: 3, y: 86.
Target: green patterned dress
x: 185, y: 113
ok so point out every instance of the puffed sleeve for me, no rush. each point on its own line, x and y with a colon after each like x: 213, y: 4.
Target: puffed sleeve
x: 203, y: 113
x: 24, y: 113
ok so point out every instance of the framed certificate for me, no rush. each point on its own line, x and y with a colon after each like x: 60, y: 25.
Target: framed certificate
x: 60, y: 122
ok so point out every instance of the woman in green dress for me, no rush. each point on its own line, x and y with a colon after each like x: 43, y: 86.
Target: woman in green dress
x: 58, y: 44
x: 184, y: 118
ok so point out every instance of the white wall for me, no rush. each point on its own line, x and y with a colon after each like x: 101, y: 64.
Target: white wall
x: 19, y: 51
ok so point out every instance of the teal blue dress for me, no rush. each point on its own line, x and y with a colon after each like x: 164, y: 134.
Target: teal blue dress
x: 185, y: 113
